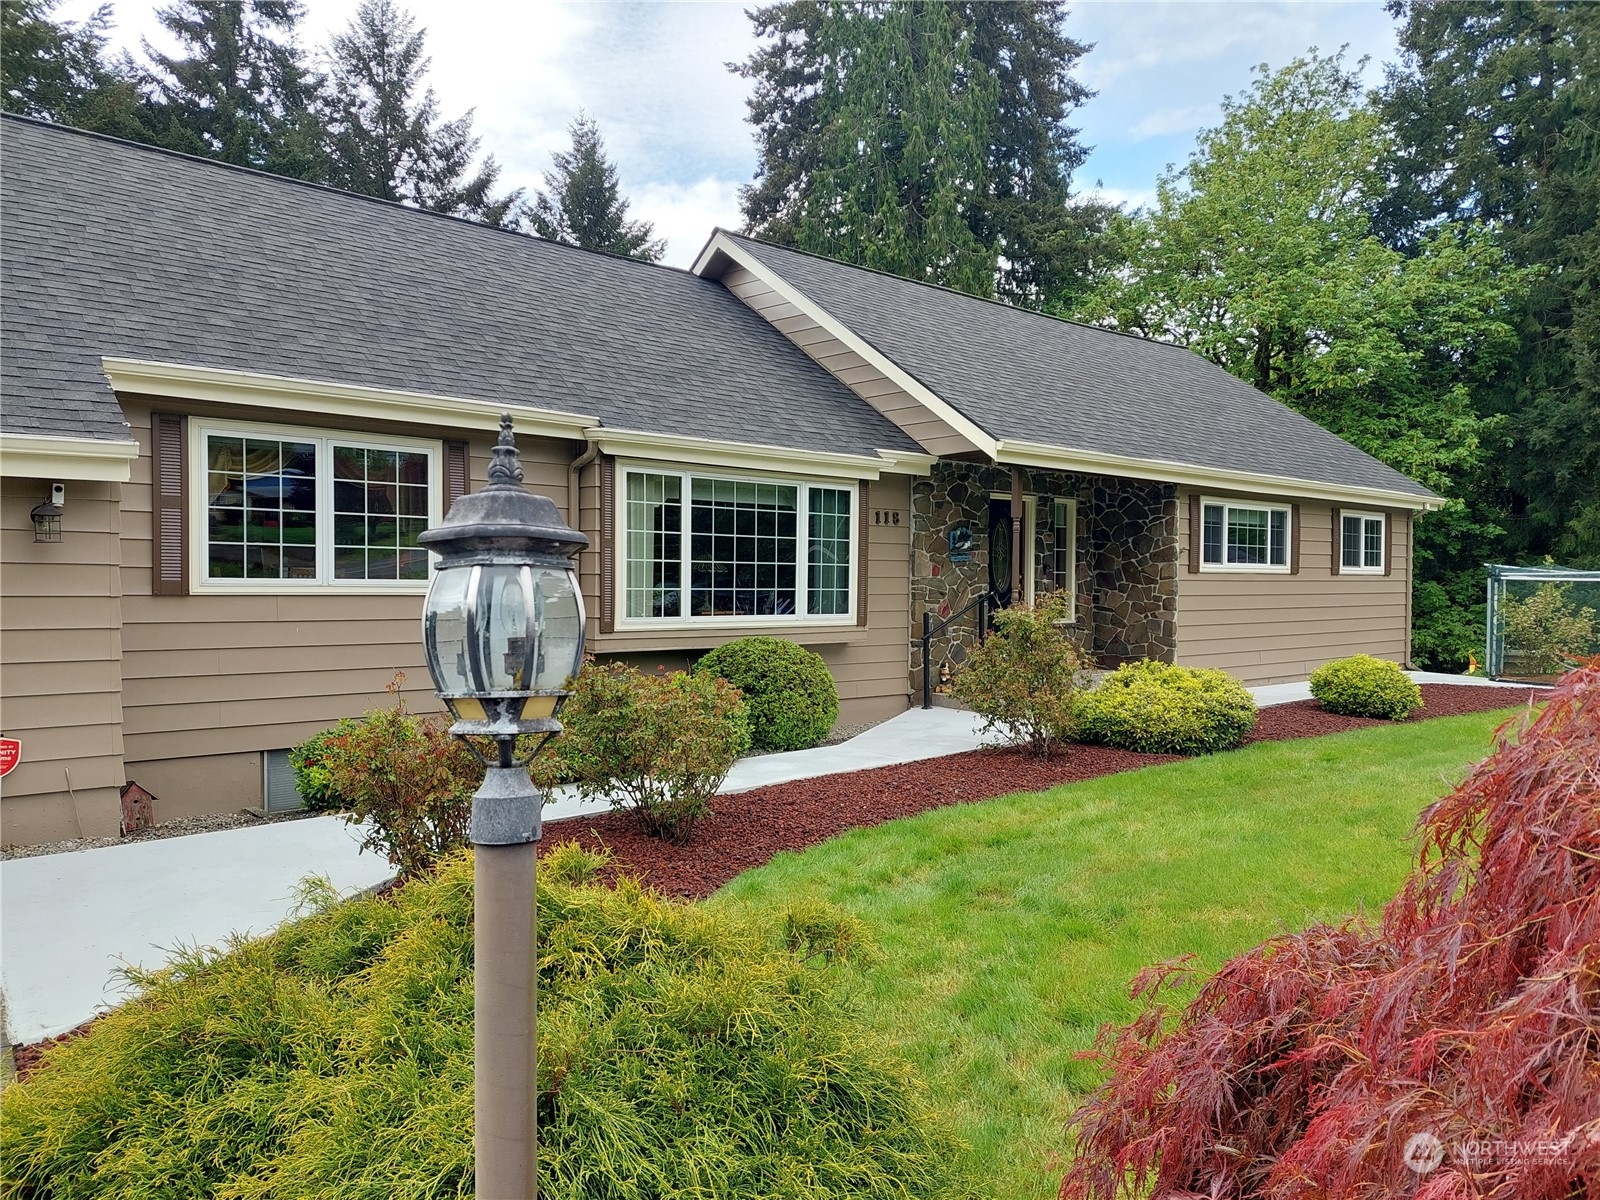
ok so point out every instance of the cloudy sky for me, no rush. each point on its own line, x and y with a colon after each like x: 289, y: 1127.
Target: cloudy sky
x: 653, y: 76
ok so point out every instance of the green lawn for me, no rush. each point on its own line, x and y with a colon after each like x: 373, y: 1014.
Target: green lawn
x: 1008, y: 931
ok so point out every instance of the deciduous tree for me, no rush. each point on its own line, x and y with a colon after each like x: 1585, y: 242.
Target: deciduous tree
x: 1259, y: 254
x: 1496, y: 110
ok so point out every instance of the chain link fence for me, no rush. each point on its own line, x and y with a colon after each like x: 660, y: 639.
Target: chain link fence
x: 1542, y: 621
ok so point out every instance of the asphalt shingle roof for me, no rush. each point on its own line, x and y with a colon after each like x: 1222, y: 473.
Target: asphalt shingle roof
x: 1024, y: 376
x: 112, y: 249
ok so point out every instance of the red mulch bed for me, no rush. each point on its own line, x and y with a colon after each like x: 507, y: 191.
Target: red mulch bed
x: 746, y: 829
x: 1306, y: 718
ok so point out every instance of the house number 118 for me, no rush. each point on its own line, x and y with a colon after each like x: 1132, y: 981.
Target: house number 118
x: 882, y: 516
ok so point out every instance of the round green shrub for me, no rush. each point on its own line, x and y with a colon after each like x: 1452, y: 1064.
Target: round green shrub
x: 1158, y: 708
x: 683, y: 1051
x: 1363, y: 686
x: 791, y: 697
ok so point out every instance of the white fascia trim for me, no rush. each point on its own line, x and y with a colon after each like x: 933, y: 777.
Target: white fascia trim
x: 673, y: 448
x: 305, y: 397
x: 722, y: 243
x: 31, y: 456
x: 1033, y: 454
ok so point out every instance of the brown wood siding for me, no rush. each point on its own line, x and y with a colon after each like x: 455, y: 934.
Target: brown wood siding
x: 849, y: 368
x: 869, y: 662
x: 1273, y: 628
x: 221, y: 675
x: 61, y: 663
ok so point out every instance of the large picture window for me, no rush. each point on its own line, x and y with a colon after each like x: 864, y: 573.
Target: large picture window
x: 1244, y: 537
x: 285, y: 507
x: 703, y: 547
x: 1361, y: 543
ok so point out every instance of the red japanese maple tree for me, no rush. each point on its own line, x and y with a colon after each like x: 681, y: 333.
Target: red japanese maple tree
x: 1452, y: 1052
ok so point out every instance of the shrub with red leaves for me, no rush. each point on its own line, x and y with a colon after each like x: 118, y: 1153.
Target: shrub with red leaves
x: 1453, y: 1052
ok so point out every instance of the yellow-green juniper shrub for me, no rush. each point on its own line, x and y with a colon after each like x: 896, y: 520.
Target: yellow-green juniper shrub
x: 682, y: 1053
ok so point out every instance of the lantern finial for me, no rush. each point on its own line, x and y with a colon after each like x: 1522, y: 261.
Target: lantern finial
x: 506, y: 469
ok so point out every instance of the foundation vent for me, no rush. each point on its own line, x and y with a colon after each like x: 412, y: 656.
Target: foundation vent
x: 277, y: 783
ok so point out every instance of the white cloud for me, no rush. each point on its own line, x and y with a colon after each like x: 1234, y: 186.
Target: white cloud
x: 1125, y: 198
x: 1188, y: 118
x: 685, y: 214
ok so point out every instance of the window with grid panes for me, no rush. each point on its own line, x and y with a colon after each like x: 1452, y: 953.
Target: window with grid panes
x: 306, y: 509
x: 706, y: 547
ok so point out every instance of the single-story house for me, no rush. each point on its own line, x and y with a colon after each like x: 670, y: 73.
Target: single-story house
x: 255, y: 393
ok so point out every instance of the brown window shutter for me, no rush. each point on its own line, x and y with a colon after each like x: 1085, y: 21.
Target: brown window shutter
x: 608, y: 544
x: 1338, y: 540
x: 1388, y: 543
x: 863, y: 499
x: 1195, y: 530
x: 169, y: 532
x: 1294, y: 539
x: 456, y: 473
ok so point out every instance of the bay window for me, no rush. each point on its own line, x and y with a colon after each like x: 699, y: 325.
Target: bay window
x: 708, y: 547
x: 297, y: 508
x: 1244, y: 536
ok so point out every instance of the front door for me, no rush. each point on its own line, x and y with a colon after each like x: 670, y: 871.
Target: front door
x: 1000, y: 553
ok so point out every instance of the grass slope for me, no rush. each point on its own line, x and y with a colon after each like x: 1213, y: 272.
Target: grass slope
x: 1008, y: 931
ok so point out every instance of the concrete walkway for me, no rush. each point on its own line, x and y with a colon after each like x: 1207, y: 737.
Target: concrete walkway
x: 68, y: 921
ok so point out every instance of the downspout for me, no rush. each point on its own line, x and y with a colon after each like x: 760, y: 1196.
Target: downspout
x: 574, y: 475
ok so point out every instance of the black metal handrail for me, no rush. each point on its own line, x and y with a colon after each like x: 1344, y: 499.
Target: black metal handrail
x: 930, y: 631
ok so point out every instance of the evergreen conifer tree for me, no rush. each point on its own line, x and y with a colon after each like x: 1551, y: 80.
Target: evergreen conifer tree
x: 58, y: 70
x: 385, y: 135
x: 238, y: 90
x: 882, y: 126
x: 583, y: 206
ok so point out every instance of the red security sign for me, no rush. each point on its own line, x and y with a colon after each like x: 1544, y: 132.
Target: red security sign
x: 10, y: 754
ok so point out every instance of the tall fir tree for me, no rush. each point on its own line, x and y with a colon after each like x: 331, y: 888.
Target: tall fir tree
x: 385, y: 135
x: 583, y: 206
x: 58, y: 70
x: 238, y: 89
x: 878, y: 123
x: 1496, y: 109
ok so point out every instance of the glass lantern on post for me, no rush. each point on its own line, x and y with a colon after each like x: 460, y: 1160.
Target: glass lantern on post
x: 503, y: 631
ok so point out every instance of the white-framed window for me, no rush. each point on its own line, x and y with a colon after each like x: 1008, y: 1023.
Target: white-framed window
x: 701, y: 547
x: 281, y: 508
x: 1237, y: 536
x: 1361, y: 543
x: 1064, y: 550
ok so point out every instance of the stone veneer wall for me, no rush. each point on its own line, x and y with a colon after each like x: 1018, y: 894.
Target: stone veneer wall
x: 1134, y: 529
x: 1127, y: 552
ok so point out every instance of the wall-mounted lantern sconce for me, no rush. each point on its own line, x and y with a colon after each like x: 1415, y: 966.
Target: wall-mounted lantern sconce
x: 47, y: 516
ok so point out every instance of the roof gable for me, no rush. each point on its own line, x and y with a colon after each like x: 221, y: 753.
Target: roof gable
x: 1034, y: 383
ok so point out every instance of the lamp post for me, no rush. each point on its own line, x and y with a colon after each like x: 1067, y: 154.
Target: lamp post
x: 503, y: 630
